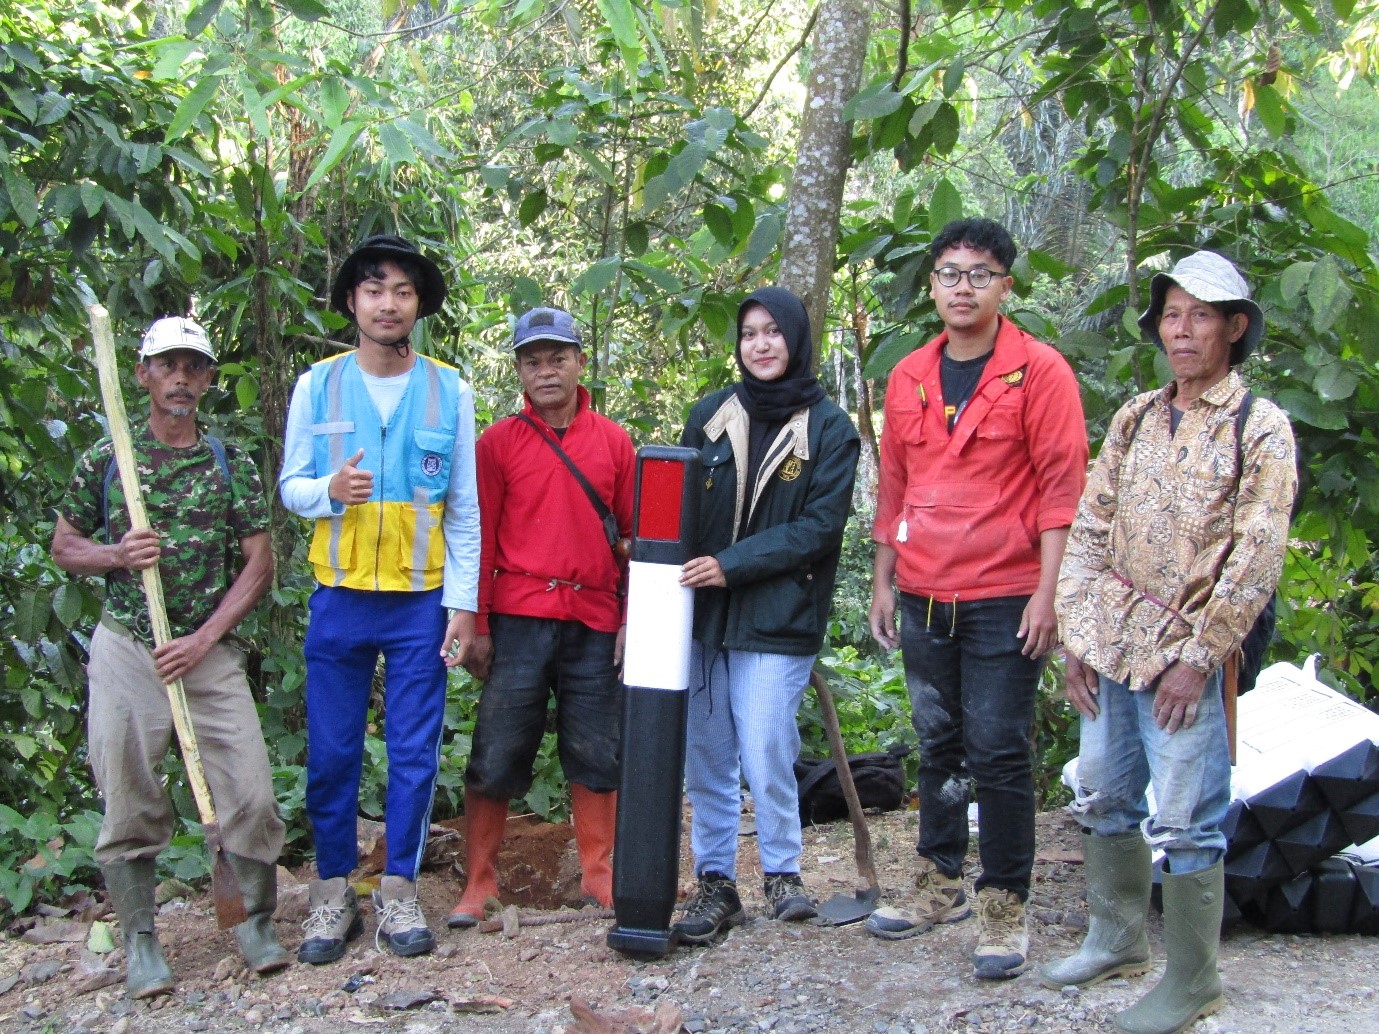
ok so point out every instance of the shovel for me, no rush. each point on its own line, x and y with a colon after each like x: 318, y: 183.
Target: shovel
x: 225, y: 888
x: 842, y: 909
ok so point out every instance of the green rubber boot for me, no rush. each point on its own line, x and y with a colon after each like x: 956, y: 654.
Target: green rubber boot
x: 130, y: 885
x: 1118, y: 878
x: 1191, y: 987
x: 258, y: 942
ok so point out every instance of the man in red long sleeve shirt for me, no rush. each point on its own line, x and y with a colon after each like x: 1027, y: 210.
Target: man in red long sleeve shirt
x: 551, y: 612
x: 983, y: 459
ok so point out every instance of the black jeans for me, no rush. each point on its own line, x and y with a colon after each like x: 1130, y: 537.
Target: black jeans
x: 972, y: 703
x: 533, y: 658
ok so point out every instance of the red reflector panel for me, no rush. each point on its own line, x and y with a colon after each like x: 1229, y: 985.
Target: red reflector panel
x: 662, y: 489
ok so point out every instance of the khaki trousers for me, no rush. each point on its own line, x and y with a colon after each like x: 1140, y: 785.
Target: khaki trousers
x: 129, y: 727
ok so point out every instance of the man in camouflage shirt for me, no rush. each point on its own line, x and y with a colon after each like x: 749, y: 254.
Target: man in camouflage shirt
x: 208, y: 521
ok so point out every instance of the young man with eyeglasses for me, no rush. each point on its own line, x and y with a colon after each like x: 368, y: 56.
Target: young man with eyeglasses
x: 983, y: 460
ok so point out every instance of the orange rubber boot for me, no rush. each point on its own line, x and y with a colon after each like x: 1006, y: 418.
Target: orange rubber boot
x: 595, y: 817
x: 485, y: 822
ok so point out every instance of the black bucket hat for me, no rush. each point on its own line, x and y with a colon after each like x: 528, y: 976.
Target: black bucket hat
x: 385, y: 246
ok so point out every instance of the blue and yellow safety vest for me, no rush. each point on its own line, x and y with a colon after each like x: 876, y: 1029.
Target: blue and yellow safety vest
x: 394, y: 542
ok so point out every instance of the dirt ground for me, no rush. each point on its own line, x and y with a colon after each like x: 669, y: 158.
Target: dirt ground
x: 764, y: 976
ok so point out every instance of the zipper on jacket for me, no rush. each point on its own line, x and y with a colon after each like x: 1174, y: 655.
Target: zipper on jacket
x: 378, y: 540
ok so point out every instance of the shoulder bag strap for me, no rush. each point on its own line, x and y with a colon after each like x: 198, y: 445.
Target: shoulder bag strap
x: 605, y: 513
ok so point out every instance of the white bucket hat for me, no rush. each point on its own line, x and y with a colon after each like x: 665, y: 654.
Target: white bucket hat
x: 1208, y: 277
x: 172, y: 333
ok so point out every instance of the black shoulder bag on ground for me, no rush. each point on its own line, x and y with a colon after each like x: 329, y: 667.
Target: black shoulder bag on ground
x: 879, y: 778
x: 610, y: 522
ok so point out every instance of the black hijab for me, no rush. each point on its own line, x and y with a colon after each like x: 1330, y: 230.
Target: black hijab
x: 772, y: 402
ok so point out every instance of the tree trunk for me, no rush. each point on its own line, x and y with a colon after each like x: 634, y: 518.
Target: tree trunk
x: 824, y: 156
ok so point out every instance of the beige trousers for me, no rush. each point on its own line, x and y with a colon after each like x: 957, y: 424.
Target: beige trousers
x: 129, y: 727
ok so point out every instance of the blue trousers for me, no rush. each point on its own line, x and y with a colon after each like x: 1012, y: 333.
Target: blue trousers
x: 349, y: 628
x: 1123, y: 749
x: 972, y: 703
x: 741, y: 722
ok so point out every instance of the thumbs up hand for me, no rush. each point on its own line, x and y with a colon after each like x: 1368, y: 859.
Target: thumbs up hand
x: 350, y: 485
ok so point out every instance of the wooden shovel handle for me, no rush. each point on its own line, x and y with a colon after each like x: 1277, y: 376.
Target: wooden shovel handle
x: 860, y: 833
x: 118, y: 422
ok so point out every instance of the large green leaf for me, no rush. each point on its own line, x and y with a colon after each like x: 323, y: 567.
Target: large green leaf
x: 202, y: 15
x: 875, y: 101
x: 191, y: 107
x: 945, y: 206
x: 23, y: 200
x: 622, y: 22
x: 340, y: 143
x: 597, y: 277
x: 1305, y: 406
x: 1328, y: 294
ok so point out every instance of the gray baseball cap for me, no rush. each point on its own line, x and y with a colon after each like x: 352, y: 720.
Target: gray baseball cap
x: 546, y: 324
x: 172, y: 333
x: 1208, y: 277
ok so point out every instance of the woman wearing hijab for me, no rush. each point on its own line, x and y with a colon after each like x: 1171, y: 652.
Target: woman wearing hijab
x: 778, y: 464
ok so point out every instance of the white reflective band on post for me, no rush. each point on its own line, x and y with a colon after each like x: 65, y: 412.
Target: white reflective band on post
x: 660, y: 625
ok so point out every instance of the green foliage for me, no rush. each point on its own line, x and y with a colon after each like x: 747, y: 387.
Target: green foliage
x: 627, y: 159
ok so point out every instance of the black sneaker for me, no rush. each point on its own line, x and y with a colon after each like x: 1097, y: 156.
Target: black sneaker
x: 786, y: 895
x: 714, y: 908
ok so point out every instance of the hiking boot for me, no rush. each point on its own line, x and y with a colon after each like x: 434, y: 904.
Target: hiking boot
x: 938, y: 899
x: 333, y: 921
x: 400, y: 921
x: 714, y: 908
x: 1003, y: 940
x: 786, y: 895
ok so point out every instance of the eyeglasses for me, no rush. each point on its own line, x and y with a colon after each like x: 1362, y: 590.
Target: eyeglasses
x: 978, y: 277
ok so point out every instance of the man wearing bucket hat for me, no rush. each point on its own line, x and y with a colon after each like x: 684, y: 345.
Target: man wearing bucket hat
x: 555, y: 491
x: 208, y: 518
x: 1177, y: 546
x: 380, y: 454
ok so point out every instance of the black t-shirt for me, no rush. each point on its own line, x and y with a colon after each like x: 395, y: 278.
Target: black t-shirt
x: 959, y: 378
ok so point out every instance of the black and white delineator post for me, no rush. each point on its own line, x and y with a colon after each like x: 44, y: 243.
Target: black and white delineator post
x: 656, y: 661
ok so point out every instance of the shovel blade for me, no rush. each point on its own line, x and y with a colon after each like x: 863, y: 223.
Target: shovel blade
x: 226, y: 892
x: 844, y: 909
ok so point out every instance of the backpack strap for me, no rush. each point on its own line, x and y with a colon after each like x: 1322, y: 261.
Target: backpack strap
x: 1241, y: 415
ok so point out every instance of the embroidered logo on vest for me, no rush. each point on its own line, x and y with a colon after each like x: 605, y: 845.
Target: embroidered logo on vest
x: 791, y: 468
x: 431, y: 464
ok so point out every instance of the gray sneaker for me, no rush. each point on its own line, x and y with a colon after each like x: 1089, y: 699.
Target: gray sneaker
x: 400, y: 921
x: 333, y: 921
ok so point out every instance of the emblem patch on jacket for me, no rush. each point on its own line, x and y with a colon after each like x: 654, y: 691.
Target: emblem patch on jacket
x: 791, y: 468
x: 1014, y: 377
x: 431, y: 464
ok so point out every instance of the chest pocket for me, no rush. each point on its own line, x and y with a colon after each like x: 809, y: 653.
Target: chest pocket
x: 908, y: 421
x: 1005, y: 421
x: 716, y: 458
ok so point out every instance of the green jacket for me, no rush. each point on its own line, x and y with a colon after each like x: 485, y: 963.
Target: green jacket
x: 781, y: 573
